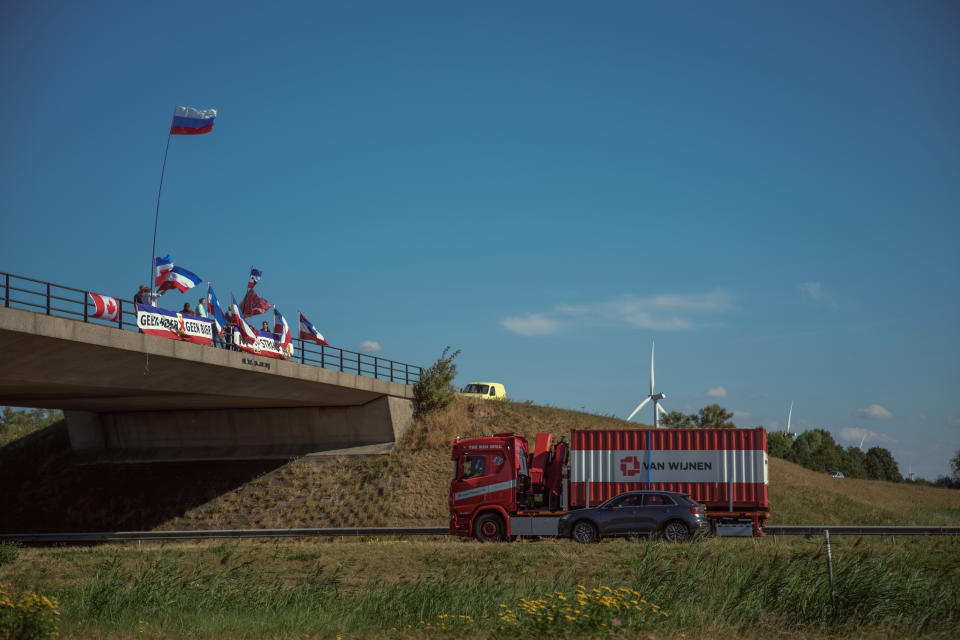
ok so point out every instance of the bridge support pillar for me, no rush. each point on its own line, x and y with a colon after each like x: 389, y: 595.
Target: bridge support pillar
x: 86, y: 431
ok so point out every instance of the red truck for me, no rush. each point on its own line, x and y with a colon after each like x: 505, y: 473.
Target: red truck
x: 501, y: 489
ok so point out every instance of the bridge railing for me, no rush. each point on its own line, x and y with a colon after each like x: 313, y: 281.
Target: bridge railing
x: 20, y: 292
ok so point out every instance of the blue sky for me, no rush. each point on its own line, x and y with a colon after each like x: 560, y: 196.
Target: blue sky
x: 767, y: 190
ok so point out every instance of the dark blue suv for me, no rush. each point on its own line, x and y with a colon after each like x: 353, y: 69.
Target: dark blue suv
x: 674, y: 515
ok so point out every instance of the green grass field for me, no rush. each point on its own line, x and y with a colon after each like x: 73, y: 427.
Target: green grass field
x: 402, y: 588
x: 737, y: 588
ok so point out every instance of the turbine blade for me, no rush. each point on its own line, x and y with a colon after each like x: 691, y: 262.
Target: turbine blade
x: 661, y: 409
x: 639, y: 406
x: 652, y: 345
x: 789, y: 415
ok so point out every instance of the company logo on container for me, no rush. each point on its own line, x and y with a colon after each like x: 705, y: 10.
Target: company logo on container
x: 630, y: 466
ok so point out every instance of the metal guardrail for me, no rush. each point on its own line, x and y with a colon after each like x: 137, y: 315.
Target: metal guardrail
x: 855, y: 530
x: 20, y: 292
x: 112, y: 536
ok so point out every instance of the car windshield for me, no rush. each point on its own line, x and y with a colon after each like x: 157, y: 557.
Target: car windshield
x: 477, y: 388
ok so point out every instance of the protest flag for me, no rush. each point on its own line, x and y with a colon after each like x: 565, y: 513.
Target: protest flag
x: 162, y: 267
x: 216, y: 313
x: 189, y: 121
x: 254, y: 278
x: 309, y: 332
x: 246, y: 331
x: 281, y: 328
x: 180, y: 279
x: 254, y: 305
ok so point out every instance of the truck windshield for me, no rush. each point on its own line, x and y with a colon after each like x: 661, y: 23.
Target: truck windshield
x: 476, y: 388
x: 474, y: 467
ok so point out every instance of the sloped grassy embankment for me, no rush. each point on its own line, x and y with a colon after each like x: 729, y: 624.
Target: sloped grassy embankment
x: 410, y: 486
x: 406, y: 488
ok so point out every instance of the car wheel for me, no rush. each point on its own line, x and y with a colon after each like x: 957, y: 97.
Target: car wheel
x: 489, y: 528
x: 584, y: 532
x: 675, y: 531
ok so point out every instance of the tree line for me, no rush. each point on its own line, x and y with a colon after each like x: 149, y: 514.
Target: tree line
x: 815, y: 450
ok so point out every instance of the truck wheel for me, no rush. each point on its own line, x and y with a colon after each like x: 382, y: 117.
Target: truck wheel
x: 489, y: 528
x: 584, y: 532
x: 675, y: 531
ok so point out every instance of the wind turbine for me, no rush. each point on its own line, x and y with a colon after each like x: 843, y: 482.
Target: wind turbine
x: 861, y: 441
x: 789, y: 415
x: 656, y: 397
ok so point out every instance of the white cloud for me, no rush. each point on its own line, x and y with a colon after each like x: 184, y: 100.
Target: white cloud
x: 815, y: 291
x: 856, y: 434
x: 531, y: 324
x: 743, y: 415
x: 658, y: 312
x: 717, y: 392
x: 370, y: 346
x: 874, y: 411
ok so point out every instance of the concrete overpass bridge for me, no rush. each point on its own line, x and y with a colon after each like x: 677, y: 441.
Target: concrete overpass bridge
x: 131, y: 397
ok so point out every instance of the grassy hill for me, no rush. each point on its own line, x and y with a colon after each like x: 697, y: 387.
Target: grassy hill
x: 407, y: 487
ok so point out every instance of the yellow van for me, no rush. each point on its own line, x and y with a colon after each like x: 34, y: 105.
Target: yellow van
x: 485, y: 390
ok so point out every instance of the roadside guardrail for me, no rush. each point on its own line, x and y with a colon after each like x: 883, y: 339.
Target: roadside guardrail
x: 857, y: 530
x: 114, y: 536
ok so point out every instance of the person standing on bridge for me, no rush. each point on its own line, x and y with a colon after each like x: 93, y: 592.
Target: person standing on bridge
x: 202, y: 308
x: 141, y: 297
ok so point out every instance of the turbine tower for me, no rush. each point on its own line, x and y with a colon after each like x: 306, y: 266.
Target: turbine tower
x: 656, y: 397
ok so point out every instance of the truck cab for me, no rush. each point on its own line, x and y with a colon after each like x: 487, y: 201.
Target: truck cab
x: 496, y: 478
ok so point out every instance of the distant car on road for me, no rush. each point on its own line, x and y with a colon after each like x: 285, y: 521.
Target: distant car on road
x: 485, y: 390
x: 674, y: 515
x: 835, y: 474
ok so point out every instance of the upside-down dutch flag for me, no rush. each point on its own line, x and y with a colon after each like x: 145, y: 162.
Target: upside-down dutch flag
x: 162, y: 267
x: 281, y: 328
x: 105, y: 307
x: 246, y: 332
x: 187, y: 121
x: 309, y: 332
x: 180, y: 279
x: 216, y: 313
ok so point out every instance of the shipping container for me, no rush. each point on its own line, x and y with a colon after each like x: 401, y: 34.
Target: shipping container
x: 725, y: 469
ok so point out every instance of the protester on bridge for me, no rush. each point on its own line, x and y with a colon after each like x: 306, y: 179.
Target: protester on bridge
x: 265, y: 327
x: 228, y: 330
x: 202, y: 308
x: 142, y: 295
x: 186, y: 309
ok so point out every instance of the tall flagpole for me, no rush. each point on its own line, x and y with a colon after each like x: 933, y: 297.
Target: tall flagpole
x: 156, y: 218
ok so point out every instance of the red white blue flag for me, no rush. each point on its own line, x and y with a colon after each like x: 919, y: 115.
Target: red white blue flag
x: 254, y: 278
x: 281, y: 328
x: 309, y: 332
x: 161, y: 269
x: 105, y: 307
x: 216, y: 313
x: 246, y: 332
x: 180, y: 279
x: 187, y: 121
